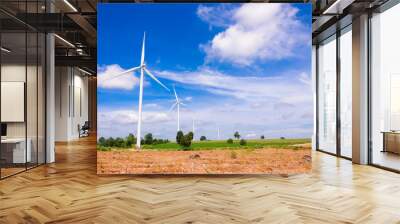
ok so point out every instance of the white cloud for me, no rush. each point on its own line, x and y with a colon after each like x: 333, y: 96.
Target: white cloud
x: 131, y: 117
x: 274, y: 106
x: 121, y: 122
x: 256, y: 32
x: 151, y: 105
x: 105, y: 78
x: 188, y: 99
x: 215, y: 16
x: 251, y: 135
x: 284, y: 88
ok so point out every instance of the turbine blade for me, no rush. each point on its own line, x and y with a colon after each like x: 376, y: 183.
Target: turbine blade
x: 172, y: 107
x: 143, y: 45
x: 176, y: 95
x: 155, y: 79
x: 122, y: 73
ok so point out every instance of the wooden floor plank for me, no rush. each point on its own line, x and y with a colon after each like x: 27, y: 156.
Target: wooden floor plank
x: 69, y: 191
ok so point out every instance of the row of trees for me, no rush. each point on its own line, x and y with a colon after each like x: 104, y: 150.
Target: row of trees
x: 237, y: 135
x: 129, y: 141
x: 184, y: 140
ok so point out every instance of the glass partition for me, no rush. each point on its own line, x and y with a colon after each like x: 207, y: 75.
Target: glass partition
x: 41, y: 88
x: 385, y: 89
x: 22, y: 87
x: 346, y: 92
x: 13, y: 110
x: 327, y: 95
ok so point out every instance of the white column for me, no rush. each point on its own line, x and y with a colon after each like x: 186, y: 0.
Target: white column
x: 314, y: 88
x: 360, y: 90
x: 50, y: 99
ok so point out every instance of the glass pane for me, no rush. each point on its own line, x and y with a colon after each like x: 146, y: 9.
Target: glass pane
x: 13, y: 86
x: 41, y: 98
x: 31, y: 98
x: 386, y: 89
x: 346, y: 93
x: 327, y: 95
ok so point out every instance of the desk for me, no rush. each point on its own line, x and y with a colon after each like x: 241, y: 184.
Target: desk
x: 17, y: 150
x: 391, y: 141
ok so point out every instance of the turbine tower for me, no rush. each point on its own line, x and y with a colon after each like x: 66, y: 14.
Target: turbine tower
x: 177, y: 104
x: 143, y: 70
x: 193, y: 126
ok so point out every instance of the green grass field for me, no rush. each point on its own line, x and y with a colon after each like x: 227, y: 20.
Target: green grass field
x: 222, y: 144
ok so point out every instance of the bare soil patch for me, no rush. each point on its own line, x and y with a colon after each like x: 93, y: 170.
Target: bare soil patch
x: 259, y: 161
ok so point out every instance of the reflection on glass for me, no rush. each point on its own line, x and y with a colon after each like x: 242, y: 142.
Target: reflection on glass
x: 386, y: 89
x: 14, y: 153
x: 346, y: 93
x: 31, y: 100
x: 41, y: 98
x: 327, y: 95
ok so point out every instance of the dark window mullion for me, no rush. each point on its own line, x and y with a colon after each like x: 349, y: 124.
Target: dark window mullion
x: 0, y: 95
x: 338, y: 98
x: 317, y: 97
x: 26, y: 87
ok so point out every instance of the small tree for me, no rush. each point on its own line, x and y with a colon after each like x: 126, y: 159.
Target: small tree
x: 184, y: 140
x: 203, y: 138
x: 242, y: 142
x: 102, y: 141
x: 229, y: 141
x: 130, y: 140
x: 236, y: 135
x: 282, y: 138
x: 179, y: 136
x: 262, y: 137
x: 148, y: 139
x: 191, y: 135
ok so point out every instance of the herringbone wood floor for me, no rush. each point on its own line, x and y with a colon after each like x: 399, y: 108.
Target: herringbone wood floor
x: 69, y: 191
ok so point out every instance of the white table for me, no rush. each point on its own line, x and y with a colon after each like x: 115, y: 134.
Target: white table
x: 19, y: 153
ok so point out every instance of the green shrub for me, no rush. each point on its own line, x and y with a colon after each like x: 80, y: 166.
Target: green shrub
x: 229, y: 141
x: 203, y: 138
x: 110, y: 142
x: 262, y: 137
x: 179, y: 136
x: 242, y: 142
x: 185, y: 141
x: 120, y: 143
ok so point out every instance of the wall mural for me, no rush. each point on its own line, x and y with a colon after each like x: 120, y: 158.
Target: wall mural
x: 204, y: 88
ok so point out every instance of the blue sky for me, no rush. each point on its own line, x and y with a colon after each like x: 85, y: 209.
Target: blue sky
x: 238, y: 67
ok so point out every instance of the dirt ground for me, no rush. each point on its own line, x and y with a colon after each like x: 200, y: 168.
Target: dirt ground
x: 260, y: 161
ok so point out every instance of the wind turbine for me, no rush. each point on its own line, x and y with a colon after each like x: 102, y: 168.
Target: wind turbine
x: 143, y: 70
x: 177, y: 104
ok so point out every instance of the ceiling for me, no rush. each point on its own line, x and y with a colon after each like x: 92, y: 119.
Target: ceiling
x: 75, y: 22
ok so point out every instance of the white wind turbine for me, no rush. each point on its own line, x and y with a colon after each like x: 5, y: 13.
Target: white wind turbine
x: 143, y: 70
x: 177, y: 104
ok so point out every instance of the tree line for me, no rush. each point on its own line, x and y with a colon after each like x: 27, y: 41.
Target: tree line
x: 129, y: 141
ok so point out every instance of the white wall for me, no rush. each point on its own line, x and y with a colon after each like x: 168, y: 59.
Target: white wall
x: 71, y: 94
